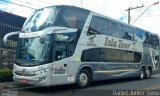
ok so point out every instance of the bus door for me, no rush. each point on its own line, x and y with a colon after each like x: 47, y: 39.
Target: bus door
x: 60, y: 63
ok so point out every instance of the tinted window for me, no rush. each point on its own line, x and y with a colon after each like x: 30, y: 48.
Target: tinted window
x: 98, y: 25
x: 110, y: 55
x: 72, y: 18
x: 91, y: 55
x: 127, y: 33
x: 137, y: 57
x: 114, y: 29
x: 116, y: 55
x: 140, y: 35
x: 154, y: 41
x: 147, y: 38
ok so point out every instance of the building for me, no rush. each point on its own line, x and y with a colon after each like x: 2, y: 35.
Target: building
x: 9, y: 23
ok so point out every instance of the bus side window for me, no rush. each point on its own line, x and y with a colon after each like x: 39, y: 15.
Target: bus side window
x: 98, y: 25
x: 148, y: 38
x: 140, y: 36
x: 72, y: 18
x: 154, y: 41
x: 127, y: 33
x: 91, y: 55
x: 114, y: 29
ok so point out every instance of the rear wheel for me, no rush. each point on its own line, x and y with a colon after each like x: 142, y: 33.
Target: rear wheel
x: 148, y: 73
x: 141, y: 74
x: 83, y: 79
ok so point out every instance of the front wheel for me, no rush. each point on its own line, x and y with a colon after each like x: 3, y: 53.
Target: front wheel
x: 83, y: 79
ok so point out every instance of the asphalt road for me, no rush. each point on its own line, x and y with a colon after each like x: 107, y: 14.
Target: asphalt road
x: 118, y: 87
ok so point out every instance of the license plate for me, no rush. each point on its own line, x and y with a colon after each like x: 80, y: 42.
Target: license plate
x: 23, y: 81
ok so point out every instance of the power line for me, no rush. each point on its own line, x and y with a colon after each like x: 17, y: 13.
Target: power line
x: 17, y: 4
x: 152, y: 16
x: 45, y: 2
x: 149, y: 16
x: 131, y: 8
x: 144, y: 12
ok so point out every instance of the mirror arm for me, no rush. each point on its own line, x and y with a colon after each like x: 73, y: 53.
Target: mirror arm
x: 9, y: 34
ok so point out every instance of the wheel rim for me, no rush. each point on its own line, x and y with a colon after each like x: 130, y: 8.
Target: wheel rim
x: 142, y: 74
x: 83, y: 79
x: 148, y: 73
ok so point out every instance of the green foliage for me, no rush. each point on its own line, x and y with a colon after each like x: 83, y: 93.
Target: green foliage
x: 5, y: 74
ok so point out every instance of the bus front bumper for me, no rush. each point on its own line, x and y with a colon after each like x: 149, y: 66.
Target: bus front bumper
x: 38, y: 80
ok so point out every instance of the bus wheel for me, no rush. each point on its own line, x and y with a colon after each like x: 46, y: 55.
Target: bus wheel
x: 148, y: 73
x: 83, y: 79
x: 142, y: 74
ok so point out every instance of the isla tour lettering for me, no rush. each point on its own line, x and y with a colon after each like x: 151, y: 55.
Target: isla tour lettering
x: 123, y: 45
x: 120, y: 43
x: 110, y: 42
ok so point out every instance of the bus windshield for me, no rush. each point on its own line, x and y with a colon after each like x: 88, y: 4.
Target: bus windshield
x: 40, y: 19
x: 56, y: 16
x: 33, y: 51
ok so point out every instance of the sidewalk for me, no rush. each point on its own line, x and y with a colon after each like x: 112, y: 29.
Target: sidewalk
x: 6, y: 85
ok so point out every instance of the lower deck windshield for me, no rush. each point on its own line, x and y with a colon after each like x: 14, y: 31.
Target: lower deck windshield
x: 33, y: 51
x: 45, y: 49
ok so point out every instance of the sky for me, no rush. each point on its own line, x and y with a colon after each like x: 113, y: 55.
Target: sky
x: 112, y: 8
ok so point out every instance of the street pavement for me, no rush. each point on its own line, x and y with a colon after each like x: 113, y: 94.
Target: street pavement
x: 118, y: 87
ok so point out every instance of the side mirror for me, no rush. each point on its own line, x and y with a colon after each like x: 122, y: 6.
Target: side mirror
x: 5, y: 38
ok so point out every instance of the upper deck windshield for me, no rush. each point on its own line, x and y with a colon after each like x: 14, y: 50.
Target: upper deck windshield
x: 56, y: 16
x: 40, y: 19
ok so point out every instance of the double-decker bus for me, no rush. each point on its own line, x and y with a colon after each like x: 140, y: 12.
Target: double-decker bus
x: 70, y: 45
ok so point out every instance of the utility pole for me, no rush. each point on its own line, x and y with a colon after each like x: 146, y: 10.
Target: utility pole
x: 131, y: 8
x: 144, y: 12
x: 82, y: 3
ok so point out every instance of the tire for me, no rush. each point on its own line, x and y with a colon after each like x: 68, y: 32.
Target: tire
x: 148, y: 74
x: 83, y: 79
x: 141, y: 74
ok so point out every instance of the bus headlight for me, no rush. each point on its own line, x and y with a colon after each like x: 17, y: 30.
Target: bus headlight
x: 40, y: 72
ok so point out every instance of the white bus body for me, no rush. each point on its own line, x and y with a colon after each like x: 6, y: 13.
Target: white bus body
x: 100, y: 48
